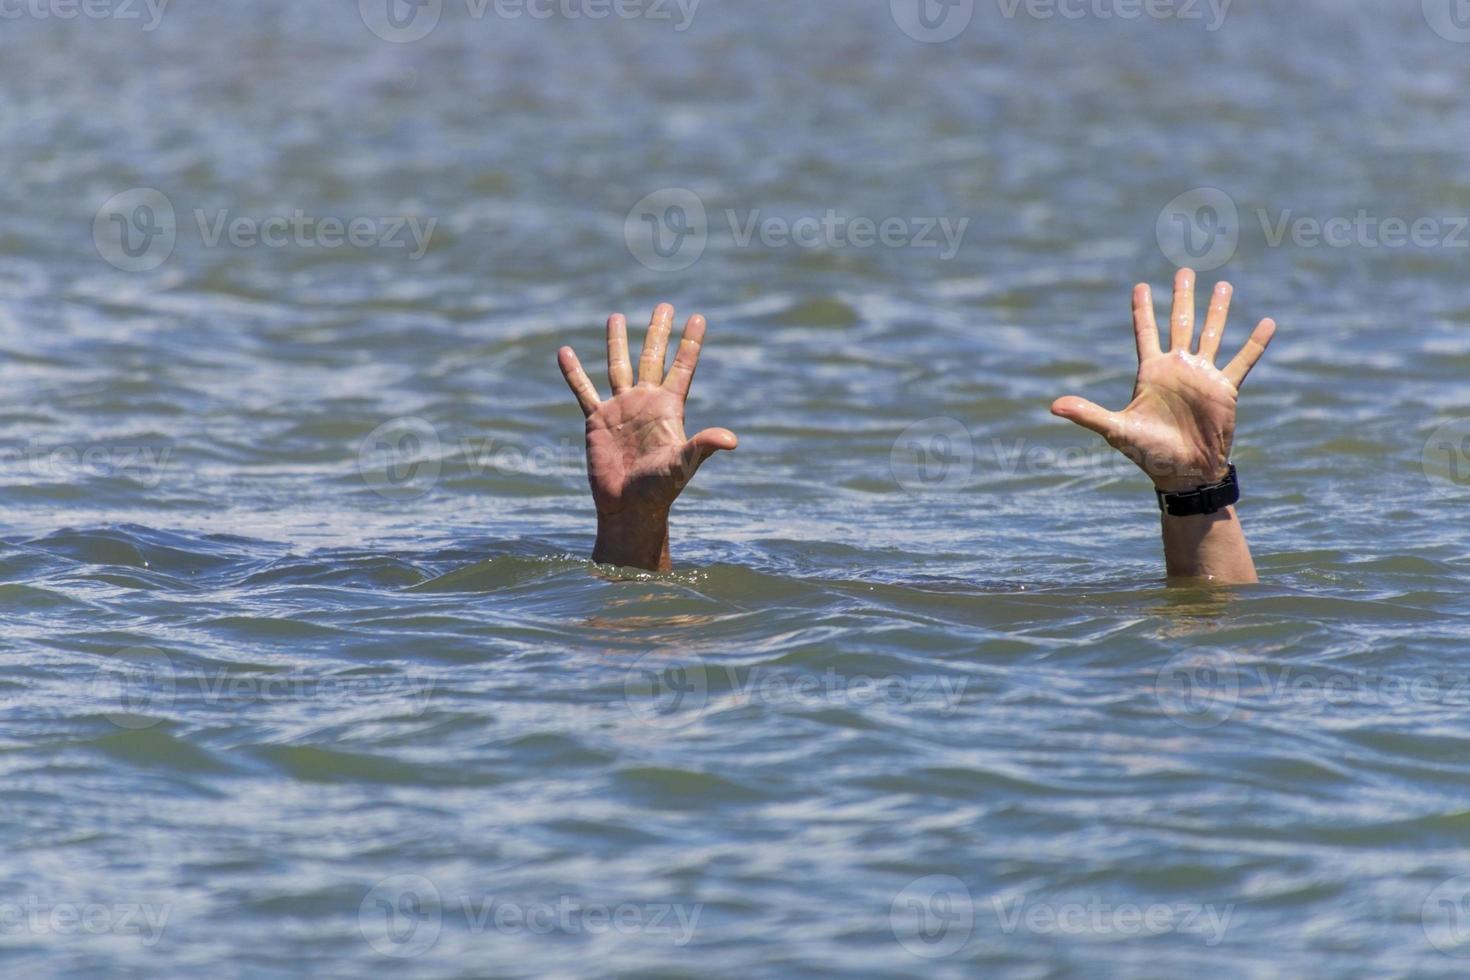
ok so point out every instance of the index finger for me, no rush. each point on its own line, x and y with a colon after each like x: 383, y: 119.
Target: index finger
x: 1237, y: 369
x: 681, y: 375
x: 577, y: 380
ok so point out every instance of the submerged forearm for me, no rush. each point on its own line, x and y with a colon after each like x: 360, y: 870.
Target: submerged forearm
x: 1210, y: 547
x: 636, y: 540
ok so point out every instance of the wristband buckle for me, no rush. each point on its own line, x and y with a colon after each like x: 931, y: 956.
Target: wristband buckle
x: 1208, y: 499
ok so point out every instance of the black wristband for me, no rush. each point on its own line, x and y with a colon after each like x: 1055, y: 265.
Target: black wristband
x: 1201, y: 500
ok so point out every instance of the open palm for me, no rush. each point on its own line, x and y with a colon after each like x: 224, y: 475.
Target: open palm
x: 1180, y: 426
x: 638, y: 458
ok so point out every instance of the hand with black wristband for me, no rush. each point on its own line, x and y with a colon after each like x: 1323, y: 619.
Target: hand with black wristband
x: 1180, y: 427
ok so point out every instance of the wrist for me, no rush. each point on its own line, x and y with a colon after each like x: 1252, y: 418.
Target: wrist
x: 638, y: 538
x: 1187, y: 478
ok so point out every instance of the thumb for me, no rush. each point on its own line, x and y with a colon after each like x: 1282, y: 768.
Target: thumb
x: 700, y: 448
x: 1086, y: 414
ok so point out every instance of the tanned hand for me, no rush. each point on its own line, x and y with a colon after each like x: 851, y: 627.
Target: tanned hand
x: 638, y: 457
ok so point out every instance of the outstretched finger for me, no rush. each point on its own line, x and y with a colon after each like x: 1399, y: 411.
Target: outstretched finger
x: 1181, y: 321
x: 577, y: 380
x: 1086, y: 414
x: 1209, y: 341
x: 1145, y: 327
x: 619, y: 367
x: 651, y: 363
x: 1237, y: 369
x: 681, y: 375
x: 700, y: 448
